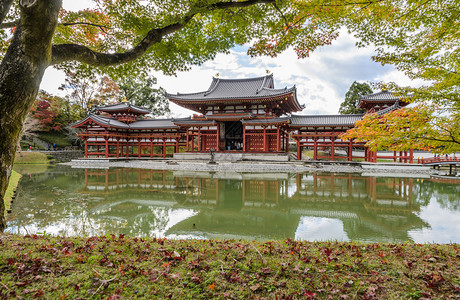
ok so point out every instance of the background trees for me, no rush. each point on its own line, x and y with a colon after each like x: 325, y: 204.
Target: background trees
x: 349, y: 105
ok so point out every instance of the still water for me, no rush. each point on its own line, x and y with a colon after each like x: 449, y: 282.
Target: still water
x: 308, y: 206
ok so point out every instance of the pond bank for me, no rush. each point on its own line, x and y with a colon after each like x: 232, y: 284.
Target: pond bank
x: 256, y: 166
x: 10, y: 193
x: 121, y: 267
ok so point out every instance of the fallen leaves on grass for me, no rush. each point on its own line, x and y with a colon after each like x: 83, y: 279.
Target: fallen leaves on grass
x: 117, y: 267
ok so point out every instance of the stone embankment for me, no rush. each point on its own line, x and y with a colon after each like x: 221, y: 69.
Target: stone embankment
x: 256, y: 166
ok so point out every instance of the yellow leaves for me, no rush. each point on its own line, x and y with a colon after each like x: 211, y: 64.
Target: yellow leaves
x: 212, y: 287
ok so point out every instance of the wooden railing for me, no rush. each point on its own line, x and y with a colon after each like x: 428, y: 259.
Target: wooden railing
x: 437, y: 159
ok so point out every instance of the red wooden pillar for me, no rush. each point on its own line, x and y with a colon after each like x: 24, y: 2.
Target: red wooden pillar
x: 411, y: 156
x: 151, y: 146
x: 244, y: 138
x: 265, y: 140
x: 199, y: 139
x: 394, y: 156
x: 187, y: 140
x: 315, y: 148
x: 127, y: 147
x: 299, y: 149
x: 86, y: 147
x: 278, y: 140
x: 106, y: 147
x: 118, y: 146
x: 164, y: 147
x: 350, y: 150
x: 218, y: 136
x: 332, y: 146
x: 139, y: 147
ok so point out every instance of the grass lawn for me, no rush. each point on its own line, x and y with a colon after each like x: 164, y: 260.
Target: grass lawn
x: 119, y: 267
x: 31, y: 157
x: 12, y: 184
x: 55, y: 137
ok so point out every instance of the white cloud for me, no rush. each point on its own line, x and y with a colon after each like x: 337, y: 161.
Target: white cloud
x: 77, y: 5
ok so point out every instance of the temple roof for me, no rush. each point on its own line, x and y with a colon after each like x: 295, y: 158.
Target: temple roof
x: 266, y: 121
x: 227, y: 90
x: 380, y: 97
x: 230, y: 117
x: 191, y: 122
x: 325, y: 120
x: 394, y: 107
x: 153, y: 124
x: 123, y: 106
x: 103, y: 121
x: 139, y: 124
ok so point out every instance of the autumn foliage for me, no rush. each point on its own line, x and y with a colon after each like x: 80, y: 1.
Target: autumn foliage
x: 421, y: 127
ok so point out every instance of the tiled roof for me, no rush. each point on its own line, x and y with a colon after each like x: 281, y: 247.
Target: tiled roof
x: 191, y: 122
x: 140, y: 124
x: 153, y: 123
x: 222, y: 89
x: 378, y: 97
x: 235, y: 116
x: 394, y: 107
x: 123, y: 106
x: 103, y: 121
x: 266, y: 121
x: 321, y: 120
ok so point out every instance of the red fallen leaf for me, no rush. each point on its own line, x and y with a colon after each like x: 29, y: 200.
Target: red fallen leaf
x: 310, y: 295
x: 22, y: 283
x: 212, y: 287
x: 39, y: 293
x: 113, y: 297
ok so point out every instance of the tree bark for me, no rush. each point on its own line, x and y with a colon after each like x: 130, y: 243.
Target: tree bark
x: 21, y: 72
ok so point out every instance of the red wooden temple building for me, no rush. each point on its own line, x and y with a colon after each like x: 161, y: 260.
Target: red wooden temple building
x: 233, y: 115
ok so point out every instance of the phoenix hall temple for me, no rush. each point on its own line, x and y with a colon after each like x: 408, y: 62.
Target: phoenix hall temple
x: 231, y: 116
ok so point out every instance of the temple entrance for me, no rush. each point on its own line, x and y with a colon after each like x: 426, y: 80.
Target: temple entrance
x: 233, y: 135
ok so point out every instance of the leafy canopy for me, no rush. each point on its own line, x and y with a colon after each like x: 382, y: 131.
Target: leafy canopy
x: 349, y: 105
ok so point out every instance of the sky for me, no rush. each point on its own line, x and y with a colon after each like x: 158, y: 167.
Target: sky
x: 322, y: 79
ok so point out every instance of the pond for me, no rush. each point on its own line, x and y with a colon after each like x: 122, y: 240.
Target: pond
x: 260, y: 206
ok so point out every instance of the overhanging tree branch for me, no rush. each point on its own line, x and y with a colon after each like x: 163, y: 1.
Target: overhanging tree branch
x: 4, y: 9
x: 68, y: 52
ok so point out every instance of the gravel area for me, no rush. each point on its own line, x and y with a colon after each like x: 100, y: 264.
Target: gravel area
x: 255, y: 166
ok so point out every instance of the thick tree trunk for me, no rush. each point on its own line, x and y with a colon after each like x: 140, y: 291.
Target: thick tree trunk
x: 21, y: 72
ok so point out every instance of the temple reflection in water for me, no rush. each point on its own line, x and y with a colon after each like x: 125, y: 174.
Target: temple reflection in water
x: 253, y: 205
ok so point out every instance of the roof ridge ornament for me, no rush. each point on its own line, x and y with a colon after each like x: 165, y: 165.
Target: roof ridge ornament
x: 263, y: 84
x: 213, y: 88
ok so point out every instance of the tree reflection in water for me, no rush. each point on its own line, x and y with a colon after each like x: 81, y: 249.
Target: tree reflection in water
x: 262, y: 206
